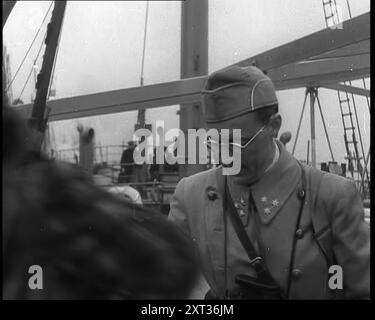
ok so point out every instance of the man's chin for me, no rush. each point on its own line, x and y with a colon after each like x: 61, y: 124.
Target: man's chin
x: 245, y: 176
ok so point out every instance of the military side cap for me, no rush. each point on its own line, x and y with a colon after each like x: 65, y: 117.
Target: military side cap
x: 235, y: 91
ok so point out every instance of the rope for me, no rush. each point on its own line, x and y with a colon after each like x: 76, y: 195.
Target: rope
x: 363, y: 79
x: 355, y: 108
x: 337, y: 13
x: 28, y: 50
x: 56, y: 54
x: 367, y: 98
x: 300, y: 121
x: 363, y: 173
x: 141, y: 112
x: 324, y: 126
x: 348, y: 5
x: 359, y: 130
x: 31, y: 71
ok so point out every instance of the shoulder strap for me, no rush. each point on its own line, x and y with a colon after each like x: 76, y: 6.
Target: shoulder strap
x: 256, y: 261
x: 321, y: 220
x: 302, y: 196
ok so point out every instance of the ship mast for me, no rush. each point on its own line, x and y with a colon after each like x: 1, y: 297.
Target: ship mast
x: 141, y: 117
x: 38, y: 119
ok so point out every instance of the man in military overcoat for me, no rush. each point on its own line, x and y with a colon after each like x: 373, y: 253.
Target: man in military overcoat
x: 306, y: 226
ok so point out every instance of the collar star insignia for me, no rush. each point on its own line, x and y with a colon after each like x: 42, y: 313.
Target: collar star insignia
x: 267, y: 211
x: 263, y: 199
x: 275, y: 202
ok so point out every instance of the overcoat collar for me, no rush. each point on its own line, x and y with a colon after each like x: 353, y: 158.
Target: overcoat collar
x: 270, y: 193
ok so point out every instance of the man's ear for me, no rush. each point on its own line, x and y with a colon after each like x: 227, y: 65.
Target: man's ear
x: 275, y: 122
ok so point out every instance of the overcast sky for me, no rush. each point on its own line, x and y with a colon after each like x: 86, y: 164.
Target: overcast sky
x: 101, y: 45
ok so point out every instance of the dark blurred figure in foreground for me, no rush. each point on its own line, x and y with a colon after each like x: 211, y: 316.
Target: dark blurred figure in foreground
x: 89, y: 243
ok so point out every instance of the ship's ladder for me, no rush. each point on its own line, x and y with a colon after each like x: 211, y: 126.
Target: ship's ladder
x: 331, y: 14
x: 347, y: 104
x: 351, y: 143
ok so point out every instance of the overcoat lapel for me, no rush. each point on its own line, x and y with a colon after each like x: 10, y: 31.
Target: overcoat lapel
x: 214, y: 217
x: 276, y: 186
x: 214, y: 226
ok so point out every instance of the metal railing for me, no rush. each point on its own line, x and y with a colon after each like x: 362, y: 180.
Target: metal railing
x: 103, y: 154
x: 109, y: 156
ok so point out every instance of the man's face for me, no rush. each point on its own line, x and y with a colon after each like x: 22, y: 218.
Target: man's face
x: 258, y: 154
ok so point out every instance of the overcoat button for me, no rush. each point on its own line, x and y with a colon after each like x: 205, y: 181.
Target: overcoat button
x: 212, y: 194
x: 296, y: 273
x: 299, y: 233
x: 301, y: 194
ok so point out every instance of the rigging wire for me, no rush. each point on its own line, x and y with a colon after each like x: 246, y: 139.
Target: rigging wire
x: 337, y: 13
x: 359, y: 131
x: 365, y: 171
x: 324, y: 125
x: 56, y: 54
x: 144, y: 43
x: 350, y: 12
x: 141, y: 112
x: 300, y: 121
x: 31, y: 71
x: 363, y: 79
x: 367, y: 98
x: 368, y: 105
x: 28, y: 50
x: 46, y: 139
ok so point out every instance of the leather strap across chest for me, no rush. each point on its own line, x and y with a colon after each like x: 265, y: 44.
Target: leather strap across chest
x: 256, y: 261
